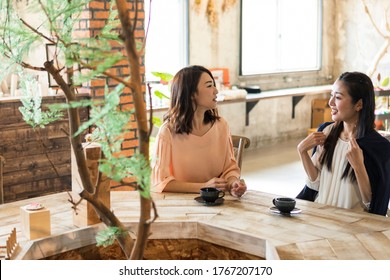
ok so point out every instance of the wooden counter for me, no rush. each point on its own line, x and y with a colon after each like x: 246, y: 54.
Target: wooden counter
x: 246, y: 224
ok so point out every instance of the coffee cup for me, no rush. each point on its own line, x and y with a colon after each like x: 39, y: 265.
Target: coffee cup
x: 284, y: 204
x: 211, y: 194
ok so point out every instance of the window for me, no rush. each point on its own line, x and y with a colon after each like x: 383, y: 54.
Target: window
x: 280, y: 36
x: 167, y: 42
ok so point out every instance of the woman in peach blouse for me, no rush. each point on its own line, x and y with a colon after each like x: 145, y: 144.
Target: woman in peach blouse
x: 194, y: 147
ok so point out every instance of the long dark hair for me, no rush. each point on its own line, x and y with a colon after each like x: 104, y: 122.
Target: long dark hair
x: 359, y: 87
x: 181, y: 111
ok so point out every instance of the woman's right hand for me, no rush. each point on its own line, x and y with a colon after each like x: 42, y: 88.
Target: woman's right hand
x: 218, y: 183
x: 314, y: 139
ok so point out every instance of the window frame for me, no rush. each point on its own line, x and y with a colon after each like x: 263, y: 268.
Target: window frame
x: 319, y: 58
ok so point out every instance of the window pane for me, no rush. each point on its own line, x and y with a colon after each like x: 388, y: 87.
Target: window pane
x: 259, y: 48
x: 166, y: 45
x: 280, y: 36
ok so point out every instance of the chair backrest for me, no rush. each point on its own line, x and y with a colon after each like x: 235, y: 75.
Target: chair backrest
x: 239, y: 144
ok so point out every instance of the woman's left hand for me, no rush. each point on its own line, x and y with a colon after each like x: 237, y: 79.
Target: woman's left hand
x: 238, y: 188
x: 355, y: 154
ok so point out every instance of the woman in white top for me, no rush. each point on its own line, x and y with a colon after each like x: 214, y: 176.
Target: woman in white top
x: 351, y: 165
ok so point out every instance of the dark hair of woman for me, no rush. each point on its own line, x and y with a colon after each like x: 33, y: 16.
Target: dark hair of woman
x: 182, y: 109
x: 359, y: 87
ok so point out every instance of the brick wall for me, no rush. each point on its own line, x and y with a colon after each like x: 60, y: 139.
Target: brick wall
x: 27, y: 171
x: 92, y: 22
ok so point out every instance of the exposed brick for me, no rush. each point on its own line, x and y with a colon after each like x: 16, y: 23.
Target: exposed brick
x: 97, y: 5
x: 98, y: 92
x: 125, y: 71
x: 86, y: 14
x: 129, y: 180
x: 125, y: 99
x: 129, y: 135
x: 101, y: 14
x: 81, y: 33
x: 93, y: 20
x: 129, y: 144
x: 128, y: 152
x: 127, y: 106
x: 114, y: 184
x: 98, y: 83
x: 97, y: 24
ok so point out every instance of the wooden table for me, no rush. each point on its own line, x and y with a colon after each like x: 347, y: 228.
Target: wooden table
x: 246, y: 224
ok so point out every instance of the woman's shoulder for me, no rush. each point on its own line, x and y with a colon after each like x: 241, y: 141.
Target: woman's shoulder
x: 221, y: 123
x: 326, y: 127
x: 375, y: 137
x: 165, y: 130
x: 376, y: 143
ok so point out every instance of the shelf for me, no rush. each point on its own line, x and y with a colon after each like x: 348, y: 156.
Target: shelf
x: 384, y: 92
x: 382, y: 116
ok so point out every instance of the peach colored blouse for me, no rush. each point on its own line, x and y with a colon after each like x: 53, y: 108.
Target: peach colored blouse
x: 191, y: 158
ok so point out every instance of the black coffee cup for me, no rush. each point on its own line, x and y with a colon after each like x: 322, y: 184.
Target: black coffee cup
x: 284, y: 204
x: 211, y: 194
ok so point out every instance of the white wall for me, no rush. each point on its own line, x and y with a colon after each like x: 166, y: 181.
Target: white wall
x: 220, y: 48
x: 357, y: 41
x: 349, y: 44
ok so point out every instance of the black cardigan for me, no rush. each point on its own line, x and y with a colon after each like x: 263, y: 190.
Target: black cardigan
x: 376, y: 152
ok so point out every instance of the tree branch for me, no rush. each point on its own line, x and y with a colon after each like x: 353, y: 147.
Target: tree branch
x: 378, y: 57
x: 150, y: 109
x: 36, y: 31
x: 108, y: 74
x: 367, y: 11
x: 383, y: 49
x: 28, y: 66
x: 141, y: 117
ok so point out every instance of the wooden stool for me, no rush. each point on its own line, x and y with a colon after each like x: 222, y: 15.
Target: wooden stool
x: 35, y: 223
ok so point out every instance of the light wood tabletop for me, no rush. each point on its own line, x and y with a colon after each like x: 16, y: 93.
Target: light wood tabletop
x: 246, y: 224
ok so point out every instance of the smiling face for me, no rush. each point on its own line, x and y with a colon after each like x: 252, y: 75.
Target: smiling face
x: 341, y: 104
x: 206, y: 95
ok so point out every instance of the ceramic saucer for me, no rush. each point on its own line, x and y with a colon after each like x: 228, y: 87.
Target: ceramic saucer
x: 219, y: 201
x: 34, y: 206
x: 277, y: 211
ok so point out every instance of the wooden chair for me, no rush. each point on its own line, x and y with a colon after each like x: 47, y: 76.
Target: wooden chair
x: 239, y: 144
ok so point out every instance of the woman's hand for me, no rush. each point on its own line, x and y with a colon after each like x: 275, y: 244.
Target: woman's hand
x: 314, y: 139
x: 238, y: 188
x: 355, y: 154
x: 218, y: 183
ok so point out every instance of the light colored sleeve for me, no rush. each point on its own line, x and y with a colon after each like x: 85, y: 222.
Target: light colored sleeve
x: 315, y: 185
x: 161, y: 161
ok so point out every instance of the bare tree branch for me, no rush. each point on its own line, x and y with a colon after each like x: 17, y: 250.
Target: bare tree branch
x: 37, y: 32
x: 141, y: 117
x: 385, y: 46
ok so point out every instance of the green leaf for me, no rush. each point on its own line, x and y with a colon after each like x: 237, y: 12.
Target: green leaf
x: 385, y: 82
x: 166, y: 77
x: 112, y: 99
x: 156, y: 121
x: 160, y: 95
x: 107, y: 237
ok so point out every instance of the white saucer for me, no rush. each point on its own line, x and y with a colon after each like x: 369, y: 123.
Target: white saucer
x: 219, y: 201
x: 277, y: 211
x: 34, y: 206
